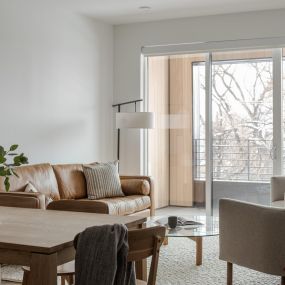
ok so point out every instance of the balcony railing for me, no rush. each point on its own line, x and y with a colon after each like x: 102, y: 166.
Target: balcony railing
x: 247, y: 160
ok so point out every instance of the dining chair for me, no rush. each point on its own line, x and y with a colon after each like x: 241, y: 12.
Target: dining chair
x: 144, y: 243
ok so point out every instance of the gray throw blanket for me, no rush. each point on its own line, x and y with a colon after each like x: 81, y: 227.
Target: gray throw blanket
x: 101, y: 256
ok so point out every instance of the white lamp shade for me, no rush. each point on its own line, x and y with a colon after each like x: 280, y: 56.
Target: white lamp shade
x: 137, y: 120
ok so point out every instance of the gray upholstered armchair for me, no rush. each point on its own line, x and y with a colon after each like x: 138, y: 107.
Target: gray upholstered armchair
x: 252, y: 236
x: 278, y: 191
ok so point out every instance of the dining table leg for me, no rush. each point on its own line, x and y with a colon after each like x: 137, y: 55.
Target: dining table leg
x: 43, y: 269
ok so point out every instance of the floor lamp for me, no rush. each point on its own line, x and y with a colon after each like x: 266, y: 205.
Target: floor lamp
x: 132, y: 120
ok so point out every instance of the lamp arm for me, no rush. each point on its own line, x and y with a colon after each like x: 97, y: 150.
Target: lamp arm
x: 128, y: 102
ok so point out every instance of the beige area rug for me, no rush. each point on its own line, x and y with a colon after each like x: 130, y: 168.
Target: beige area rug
x: 177, y: 267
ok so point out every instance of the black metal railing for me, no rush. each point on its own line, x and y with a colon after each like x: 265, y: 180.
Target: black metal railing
x: 246, y: 160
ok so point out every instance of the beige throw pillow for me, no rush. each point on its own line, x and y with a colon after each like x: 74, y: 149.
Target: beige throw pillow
x: 30, y: 188
x: 103, y: 180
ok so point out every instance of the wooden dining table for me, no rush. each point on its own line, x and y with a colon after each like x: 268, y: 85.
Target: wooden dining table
x: 43, y: 239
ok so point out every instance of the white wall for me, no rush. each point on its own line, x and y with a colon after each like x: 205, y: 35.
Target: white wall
x: 56, y: 84
x: 131, y: 37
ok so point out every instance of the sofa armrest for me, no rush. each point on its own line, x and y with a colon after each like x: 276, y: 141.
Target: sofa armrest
x: 277, y: 188
x: 138, y: 185
x: 22, y: 200
x: 252, y: 236
x: 87, y: 206
x: 135, y: 187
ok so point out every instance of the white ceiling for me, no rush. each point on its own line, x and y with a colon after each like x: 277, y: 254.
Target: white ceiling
x: 127, y: 11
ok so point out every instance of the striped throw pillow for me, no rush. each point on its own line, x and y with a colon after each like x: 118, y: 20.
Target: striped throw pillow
x: 103, y: 180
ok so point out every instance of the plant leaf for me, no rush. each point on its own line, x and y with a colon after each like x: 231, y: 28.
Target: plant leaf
x: 17, y: 160
x: 2, y: 159
x: 7, y: 184
x: 13, y: 147
x: 2, y: 171
x: 10, y: 172
x: 2, y: 151
x: 24, y: 159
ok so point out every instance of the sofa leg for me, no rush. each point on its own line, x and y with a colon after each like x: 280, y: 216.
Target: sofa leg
x: 282, y: 280
x: 230, y: 273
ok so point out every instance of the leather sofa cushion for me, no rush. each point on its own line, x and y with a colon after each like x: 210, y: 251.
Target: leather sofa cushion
x: 40, y: 175
x: 71, y: 181
x: 126, y: 205
x: 84, y: 205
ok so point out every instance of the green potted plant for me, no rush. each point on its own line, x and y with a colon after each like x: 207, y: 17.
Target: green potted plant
x: 9, y: 160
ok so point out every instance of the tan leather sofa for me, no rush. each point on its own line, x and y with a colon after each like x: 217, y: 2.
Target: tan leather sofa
x: 66, y: 185
x: 252, y: 236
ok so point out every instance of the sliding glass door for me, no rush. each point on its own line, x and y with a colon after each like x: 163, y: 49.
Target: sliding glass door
x: 242, y: 125
x: 231, y: 105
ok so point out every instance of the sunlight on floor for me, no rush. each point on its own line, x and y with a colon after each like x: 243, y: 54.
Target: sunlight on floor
x: 180, y: 211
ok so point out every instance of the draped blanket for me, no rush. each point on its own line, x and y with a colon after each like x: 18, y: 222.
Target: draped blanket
x: 101, y: 256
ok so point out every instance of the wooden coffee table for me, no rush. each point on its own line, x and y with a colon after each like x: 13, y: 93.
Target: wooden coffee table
x: 209, y: 227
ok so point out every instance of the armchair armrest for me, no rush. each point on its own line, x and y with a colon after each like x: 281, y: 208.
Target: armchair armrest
x: 277, y: 188
x: 252, y: 236
x: 138, y: 185
x: 87, y: 206
x: 22, y: 200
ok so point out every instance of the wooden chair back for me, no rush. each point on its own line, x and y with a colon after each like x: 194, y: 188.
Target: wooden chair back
x: 144, y: 243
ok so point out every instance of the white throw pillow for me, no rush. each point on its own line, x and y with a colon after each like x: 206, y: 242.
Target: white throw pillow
x: 30, y: 188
